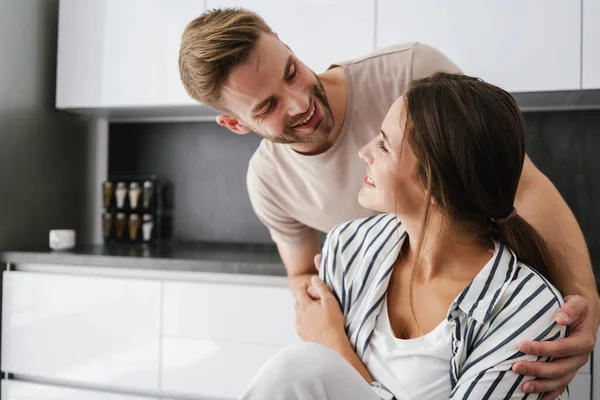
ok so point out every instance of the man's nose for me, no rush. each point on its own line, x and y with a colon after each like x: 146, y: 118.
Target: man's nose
x: 297, y: 102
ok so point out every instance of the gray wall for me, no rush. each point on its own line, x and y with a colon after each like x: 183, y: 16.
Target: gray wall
x: 44, y: 153
x: 207, y: 165
x: 566, y: 147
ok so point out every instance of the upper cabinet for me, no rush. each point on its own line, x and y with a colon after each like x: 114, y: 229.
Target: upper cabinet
x: 114, y: 53
x: 591, y: 44
x: 522, y: 46
x: 319, y: 32
x: 119, y: 59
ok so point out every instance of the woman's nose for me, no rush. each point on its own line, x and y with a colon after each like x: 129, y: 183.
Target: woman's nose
x: 365, y: 155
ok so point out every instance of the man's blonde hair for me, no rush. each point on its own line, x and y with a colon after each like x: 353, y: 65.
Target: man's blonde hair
x: 212, y: 45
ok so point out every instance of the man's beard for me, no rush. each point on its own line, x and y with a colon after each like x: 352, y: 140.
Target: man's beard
x: 324, y: 129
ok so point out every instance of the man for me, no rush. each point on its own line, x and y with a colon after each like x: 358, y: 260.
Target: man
x: 305, y: 177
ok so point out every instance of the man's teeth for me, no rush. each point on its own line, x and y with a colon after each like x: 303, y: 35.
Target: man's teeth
x: 305, y: 120
x: 370, y: 181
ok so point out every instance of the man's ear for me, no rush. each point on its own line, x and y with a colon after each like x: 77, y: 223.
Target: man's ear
x: 233, y: 124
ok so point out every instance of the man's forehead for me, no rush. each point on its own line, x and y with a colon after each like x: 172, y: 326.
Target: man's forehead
x: 263, y: 68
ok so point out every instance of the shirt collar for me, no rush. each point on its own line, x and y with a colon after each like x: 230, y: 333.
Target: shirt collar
x: 480, y: 297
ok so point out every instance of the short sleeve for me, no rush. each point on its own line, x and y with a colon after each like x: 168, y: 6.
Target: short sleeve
x: 282, y: 227
x: 428, y: 60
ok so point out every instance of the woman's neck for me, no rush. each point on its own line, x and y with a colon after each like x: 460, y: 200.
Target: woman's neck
x: 447, y: 250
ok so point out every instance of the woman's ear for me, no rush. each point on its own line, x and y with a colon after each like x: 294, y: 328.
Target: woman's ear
x: 233, y: 124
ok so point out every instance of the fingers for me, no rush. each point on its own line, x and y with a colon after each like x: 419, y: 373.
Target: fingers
x: 548, y: 385
x: 575, y: 345
x: 575, y: 307
x: 302, y: 297
x: 317, y: 261
x: 553, y: 395
x: 552, y: 370
x: 313, y: 293
x: 321, y: 288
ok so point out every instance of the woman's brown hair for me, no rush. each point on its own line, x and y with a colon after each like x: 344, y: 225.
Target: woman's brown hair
x: 469, y: 140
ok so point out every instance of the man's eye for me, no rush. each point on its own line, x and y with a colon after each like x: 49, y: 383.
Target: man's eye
x: 269, y: 109
x: 292, y: 76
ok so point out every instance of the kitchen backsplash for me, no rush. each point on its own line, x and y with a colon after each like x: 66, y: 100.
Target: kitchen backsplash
x: 206, y: 165
x: 566, y: 147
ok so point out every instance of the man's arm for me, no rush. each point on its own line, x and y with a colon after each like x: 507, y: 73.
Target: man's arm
x: 299, y: 261
x: 540, y: 204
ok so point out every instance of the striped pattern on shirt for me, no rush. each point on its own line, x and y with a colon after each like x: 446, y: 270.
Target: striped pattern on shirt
x: 505, y: 304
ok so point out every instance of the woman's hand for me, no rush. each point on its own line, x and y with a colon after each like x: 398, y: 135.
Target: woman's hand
x: 319, y: 318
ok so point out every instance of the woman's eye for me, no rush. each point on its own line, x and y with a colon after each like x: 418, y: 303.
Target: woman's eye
x: 382, y: 147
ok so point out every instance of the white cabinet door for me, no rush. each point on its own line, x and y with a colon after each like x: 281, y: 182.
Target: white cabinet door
x: 114, y: 53
x: 133, y: 53
x: 79, y: 73
x: 177, y: 14
x: 15, y: 390
x: 319, y: 32
x: 591, y: 44
x: 217, y: 336
x: 519, y: 45
x: 82, y: 329
x: 580, y: 387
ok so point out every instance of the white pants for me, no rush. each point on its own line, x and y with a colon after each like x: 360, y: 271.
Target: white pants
x: 308, y: 371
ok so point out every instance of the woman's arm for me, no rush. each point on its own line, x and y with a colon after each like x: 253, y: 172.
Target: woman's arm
x: 529, y: 314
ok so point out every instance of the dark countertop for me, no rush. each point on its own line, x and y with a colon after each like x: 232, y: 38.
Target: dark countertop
x: 197, y: 257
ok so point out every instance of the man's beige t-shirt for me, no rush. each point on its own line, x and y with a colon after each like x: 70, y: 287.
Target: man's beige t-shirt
x: 292, y: 193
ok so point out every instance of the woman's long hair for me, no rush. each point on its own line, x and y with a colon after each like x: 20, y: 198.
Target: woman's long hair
x: 469, y: 140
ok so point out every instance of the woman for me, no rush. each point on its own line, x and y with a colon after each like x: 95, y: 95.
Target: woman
x: 432, y: 297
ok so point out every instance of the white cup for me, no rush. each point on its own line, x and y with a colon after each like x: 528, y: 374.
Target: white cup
x: 62, y: 239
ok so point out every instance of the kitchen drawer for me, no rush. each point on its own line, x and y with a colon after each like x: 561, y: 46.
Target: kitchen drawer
x: 82, y: 329
x: 240, y: 313
x: 210, y: 368
x: 15, y: 390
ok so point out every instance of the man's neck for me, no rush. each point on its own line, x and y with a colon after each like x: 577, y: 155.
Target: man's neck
x: 334, y: 82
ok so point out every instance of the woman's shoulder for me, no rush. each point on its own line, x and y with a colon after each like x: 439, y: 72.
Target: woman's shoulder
x: 528, y: 299
x: 373, y: 227
x: 508, y: 289
x: 529, y: 282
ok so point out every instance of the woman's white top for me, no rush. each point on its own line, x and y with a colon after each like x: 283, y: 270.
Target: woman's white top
x: 471, y: 353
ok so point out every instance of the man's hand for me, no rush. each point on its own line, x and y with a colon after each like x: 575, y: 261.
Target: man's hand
x: 570, y: 353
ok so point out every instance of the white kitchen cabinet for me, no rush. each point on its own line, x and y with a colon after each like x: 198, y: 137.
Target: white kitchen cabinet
x: 521, y: 46
x: 80, y: 65
x: 82, y: 329
x: 15, y: 390
x: 580, y: 387
x: 320, y: 32
x: 176, y: 16
x: 119, y: 54
x: 591, y: 44
x: 132, y: 54
x: 217, y: 336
